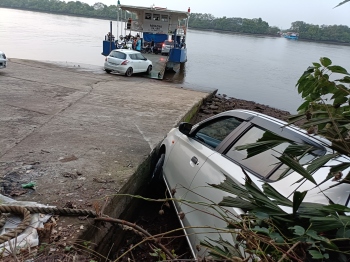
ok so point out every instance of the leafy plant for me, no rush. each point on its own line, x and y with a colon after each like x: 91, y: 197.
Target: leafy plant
x: 306, y: 231
x: 276, y: 228
x: 344, y: 2
x: 159, y: 254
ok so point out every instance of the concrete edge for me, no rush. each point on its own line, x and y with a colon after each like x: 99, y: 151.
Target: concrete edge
x: 102, y: 235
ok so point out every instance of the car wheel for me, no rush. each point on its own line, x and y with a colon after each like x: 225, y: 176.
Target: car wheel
x: 129, y: 71
x: 158, y: 169
x: 149, y: 69
x: 162, y: 53
x: 108, y: 71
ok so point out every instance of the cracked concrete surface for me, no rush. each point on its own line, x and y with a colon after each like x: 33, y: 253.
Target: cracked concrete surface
x: 80, y: 135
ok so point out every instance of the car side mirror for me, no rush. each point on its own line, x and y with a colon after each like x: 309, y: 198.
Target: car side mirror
x: 185, y: 128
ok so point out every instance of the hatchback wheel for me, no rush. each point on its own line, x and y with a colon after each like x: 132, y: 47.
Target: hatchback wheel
x: 158, y: 169
x: 129, y: 71
x: 108, y: 71
x: 149, y: 69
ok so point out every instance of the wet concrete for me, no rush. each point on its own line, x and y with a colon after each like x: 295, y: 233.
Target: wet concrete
x: 81, y: 135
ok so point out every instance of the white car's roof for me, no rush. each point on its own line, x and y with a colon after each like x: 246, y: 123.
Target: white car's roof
x: 127, y: 51
x: 1, y: 52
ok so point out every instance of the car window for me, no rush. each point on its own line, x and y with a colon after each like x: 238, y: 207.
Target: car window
x: 117, y: 54
x: 139, y: 56
x: 133, y: 56
x: 168, y: 42
x: 213, y: 133
x: 265, y: 164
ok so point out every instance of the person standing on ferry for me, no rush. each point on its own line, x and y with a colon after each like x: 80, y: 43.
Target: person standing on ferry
x: 138, y: 44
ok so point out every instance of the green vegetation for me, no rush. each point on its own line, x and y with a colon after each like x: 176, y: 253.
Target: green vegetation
x: 235, y: 24
x: 333, y: 33
x: 76, y: 8
x: 309, y: 231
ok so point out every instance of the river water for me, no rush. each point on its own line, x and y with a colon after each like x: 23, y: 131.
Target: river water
x: 261, y: 69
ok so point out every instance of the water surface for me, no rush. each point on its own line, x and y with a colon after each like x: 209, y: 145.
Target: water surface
x: 261, y: 69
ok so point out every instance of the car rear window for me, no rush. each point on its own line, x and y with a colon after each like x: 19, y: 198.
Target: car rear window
x: 168, y: 42
x: 214, y: 132
x: 117, y: 54
x: 264, y: 164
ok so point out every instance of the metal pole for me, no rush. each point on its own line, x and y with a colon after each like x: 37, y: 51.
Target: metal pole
x: 117, y: 22
x: 110, y: 40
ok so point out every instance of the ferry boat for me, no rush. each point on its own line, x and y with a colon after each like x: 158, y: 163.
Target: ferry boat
x: 153, y: 24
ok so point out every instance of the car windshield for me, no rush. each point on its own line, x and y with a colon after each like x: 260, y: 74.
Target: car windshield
x: 169, y: 43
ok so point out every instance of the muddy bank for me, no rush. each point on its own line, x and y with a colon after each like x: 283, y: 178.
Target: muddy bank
x: 220, y: 103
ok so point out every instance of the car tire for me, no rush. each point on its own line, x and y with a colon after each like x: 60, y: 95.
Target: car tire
x: 108, y: 71
x: 158, y: 169
x: 162, y: 53
x: 149, y: 69
x: 129, y: 71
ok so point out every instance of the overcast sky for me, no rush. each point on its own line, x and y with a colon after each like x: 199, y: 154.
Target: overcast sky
x: 279, y: 13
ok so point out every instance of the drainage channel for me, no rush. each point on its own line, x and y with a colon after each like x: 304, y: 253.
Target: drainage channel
x: 111, y: 241
x: 156, y: 218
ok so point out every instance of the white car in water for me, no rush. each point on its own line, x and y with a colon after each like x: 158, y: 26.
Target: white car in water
x: 192, y: 157
x: 3, y: 60
x: 128, y: 62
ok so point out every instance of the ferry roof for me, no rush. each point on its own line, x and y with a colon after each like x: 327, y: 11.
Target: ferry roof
x: 131, y: 8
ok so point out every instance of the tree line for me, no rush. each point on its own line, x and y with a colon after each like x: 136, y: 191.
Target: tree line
x: 233, y: 24
x: 332, y: 33
x: 77, y: 8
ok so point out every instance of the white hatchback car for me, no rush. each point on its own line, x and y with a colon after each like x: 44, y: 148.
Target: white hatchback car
x: 3, y: 60
x: 192, y: 157
x: 167, y: 45
x: 124, y: 61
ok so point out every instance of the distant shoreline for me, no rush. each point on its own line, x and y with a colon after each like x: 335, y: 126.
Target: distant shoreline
x: 230, y: 32
x: 59, y: 13
x: 192, y: 28
x: 267, y: 35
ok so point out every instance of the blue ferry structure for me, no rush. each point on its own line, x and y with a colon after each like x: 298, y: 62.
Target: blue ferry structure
x: 158, y: 25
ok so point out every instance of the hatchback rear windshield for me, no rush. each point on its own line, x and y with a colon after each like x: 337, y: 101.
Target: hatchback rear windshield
x: 168, y: 42
x: 117, y: 54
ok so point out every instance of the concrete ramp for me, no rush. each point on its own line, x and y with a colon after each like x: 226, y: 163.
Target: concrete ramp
x: 81, y: 134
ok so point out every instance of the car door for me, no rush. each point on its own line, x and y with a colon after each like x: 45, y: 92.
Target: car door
x: 208, y: 221
x: 143, y: 64
x: 227, y: 162
x: 187, y: 157
x: 135, y: 62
